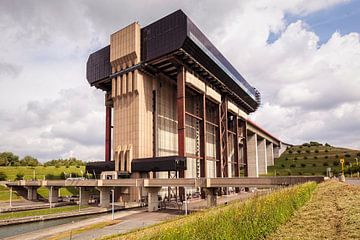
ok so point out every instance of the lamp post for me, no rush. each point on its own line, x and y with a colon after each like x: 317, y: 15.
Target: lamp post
x: 112, y: 204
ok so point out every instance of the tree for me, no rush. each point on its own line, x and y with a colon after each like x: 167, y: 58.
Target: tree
x: 8, y: 159
x: 29, y: 161
x: 19, y: 176
x: 3, y: 176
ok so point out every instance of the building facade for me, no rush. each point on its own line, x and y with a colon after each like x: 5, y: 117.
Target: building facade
x: 176, y: 107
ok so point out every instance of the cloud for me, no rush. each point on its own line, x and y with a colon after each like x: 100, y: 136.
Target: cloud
x: 47, y: 109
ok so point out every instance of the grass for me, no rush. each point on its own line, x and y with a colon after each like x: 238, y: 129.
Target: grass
x: 332, y: 213
x: 38, y: 212
x: 69, y: 234
x: 252, y: 219
x: 40, y: 171
x: 5, y: 194
x: 314, y: 160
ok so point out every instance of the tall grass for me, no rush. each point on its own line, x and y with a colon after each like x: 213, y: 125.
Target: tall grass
x: 252, y: 219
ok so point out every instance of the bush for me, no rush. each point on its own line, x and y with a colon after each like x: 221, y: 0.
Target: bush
x: 336, y: 156
x: 325, y: 164
x: 286, y: 158
x: 336, y: 163
x: 292, y: 165
x: 358, y: 154
x: 326, y: 150
x: 282, y: 165
x: 300, y: 173
x: 305, y: 157
x: 298, y: 151
x: 19, y: 176
x: 295, y: 158
x: 303, y: 165
x: 260, y: 216
x: 314, y: 164
x: 289, y: 173
x: 290, y: 151
x: 316, y: 151
x: 326, y: 157
x: 3, y: 176
x: 307, y: 151
x: 327, y: 145
x: 50, y: 176
x: 315, y: 157
x: 347, y: 155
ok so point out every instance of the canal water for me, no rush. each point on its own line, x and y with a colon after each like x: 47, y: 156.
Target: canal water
x: 13, y: 230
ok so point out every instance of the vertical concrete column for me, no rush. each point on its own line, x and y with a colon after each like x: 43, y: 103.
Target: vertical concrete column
x: 84, y: 195
x: 211, y: 196
x: 31, y: 193
x: 252, y: 155
x: 53, y: 194
x: 276, y: 151
x: 181, y: 122
x: 153, y: 200
x: 262, y: 156
x: 108, y: 128
x: 104, y: 196
x: 270, y: 154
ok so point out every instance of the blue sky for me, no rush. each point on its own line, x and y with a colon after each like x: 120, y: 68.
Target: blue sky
x: 343, y: 17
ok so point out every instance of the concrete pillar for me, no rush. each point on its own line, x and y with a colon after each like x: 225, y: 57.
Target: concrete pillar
x: 104, y: 196
x: 53, y: 194
x: 84, y: 195
x: 276, y: 151
x: 262, y: 157
x: 252, y: 155
x: 270, y: 153
x: 153, y: 200
x: 31, y: 193
x: 211, y: 196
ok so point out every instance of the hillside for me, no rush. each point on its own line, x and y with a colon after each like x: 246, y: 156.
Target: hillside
x: 313, y: 159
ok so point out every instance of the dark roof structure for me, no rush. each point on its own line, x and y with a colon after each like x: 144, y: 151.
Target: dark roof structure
x: 176, y: 40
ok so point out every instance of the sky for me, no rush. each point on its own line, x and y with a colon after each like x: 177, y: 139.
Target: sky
x: 302, y: 55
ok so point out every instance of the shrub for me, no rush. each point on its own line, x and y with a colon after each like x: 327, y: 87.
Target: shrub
x: 326, y: 150
x: 50, y: 176
x: 282, y: 165
x: 3, y: 176
x: 289, y: 173
x: 305, y: 157
x: 327, y: 145
x: 315, y: 157
x: 325, y: 164
x: 316, y: 151
x: 358, y: 154
x: 300, y: 173
x: 295, y: 158
x: 292, y: 165
x: 307, y: 151
x: 314, y: 164
x: 286, y: 158
x: 19, y: 176
x: 290, y: 151
x: 312, y: 173
x: 336, y: 156
x: 299, y: 151
x: 347, y: 155
x: 303, y: 165
x: 260, y: 216
x: 347, y: 163
x: 326, y: 157
x: 336, y: 163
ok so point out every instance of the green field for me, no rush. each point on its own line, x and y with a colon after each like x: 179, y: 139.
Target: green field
x: 38, y: 212
x: 41, y: 172
x: 255, y: 218
x: 313, y: 160
x: 5, y: 194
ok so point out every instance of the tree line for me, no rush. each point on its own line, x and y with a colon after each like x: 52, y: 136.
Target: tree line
x: 10, y: 159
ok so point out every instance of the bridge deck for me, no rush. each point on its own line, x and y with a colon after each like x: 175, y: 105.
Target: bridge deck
x: 179, y: 182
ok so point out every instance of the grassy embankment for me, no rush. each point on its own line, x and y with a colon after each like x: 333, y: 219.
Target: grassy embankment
x: 332, y: 213
x: 41, y: 172
x: 252, y: 219
x: 38, y: 212
x: 312, y: 160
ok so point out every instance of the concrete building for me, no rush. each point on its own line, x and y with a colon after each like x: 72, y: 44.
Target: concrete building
x: 176, y: 107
